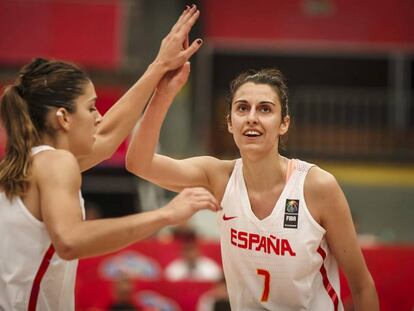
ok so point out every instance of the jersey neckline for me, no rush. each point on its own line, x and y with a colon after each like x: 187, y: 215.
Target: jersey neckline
x: 276, y: 208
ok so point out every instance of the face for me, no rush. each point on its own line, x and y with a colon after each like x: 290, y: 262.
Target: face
x: 255, y: 119
x: 84, y: 122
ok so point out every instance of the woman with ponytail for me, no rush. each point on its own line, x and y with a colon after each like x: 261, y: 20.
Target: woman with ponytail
x: 54, y: 132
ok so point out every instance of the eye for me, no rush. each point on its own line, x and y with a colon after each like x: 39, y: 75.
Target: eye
x: 242, y: 108
x: 265, y: 109
x: 92, y: 109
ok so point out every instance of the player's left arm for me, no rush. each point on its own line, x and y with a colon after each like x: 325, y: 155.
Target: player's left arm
x: 323, y: 192
x: 120, y: 119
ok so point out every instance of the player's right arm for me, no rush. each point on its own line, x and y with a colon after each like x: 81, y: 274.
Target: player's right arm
x: 164, y: 171
x: 58, y: 179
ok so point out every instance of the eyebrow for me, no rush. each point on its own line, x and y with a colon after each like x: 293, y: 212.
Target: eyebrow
x: 94, y: 98
x: 243, y: 101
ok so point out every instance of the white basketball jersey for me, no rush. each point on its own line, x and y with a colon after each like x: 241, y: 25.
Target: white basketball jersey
x: 32, y: 276
x: 281, y: 262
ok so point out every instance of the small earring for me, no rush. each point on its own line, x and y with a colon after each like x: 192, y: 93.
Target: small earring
x: 59, y: 113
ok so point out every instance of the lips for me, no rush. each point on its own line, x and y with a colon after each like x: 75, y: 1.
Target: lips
x: 252, y: 133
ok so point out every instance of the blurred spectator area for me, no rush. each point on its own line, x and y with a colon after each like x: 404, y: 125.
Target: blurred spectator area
x: 145, y: 263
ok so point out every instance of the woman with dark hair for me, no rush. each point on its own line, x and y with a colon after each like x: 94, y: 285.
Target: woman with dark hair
x: 285, y: 223
x: 54, y: 132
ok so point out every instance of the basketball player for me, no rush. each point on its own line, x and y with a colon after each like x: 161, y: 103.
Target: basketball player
x: 54, y: 132
x: 284, y: 223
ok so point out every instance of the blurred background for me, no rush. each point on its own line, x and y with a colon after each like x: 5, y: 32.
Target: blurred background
x: 349, y: 66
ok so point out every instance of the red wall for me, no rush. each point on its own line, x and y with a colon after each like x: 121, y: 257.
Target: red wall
x: 85, y: 32
x: 389, y: 23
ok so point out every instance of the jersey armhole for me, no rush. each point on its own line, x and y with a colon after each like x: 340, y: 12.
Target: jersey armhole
x: 229, y: 183
x: 307, y: 212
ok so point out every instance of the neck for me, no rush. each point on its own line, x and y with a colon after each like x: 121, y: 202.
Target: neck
x: 264, y: 173
x: 53, y: 142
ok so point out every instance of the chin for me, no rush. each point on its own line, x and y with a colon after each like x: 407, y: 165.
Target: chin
x: 255, y: 150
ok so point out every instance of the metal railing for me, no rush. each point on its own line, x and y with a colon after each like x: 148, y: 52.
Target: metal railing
x: 349, y: 123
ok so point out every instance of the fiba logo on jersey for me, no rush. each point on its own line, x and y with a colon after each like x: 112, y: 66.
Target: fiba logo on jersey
x: 292, y: 206
x: 291, y: 214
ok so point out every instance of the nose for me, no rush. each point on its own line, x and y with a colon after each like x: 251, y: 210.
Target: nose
x: 252, y: 117
x: 98, y: 118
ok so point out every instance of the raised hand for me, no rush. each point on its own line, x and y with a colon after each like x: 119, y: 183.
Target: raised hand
x: 188, y: 202
x: 175, y: 49
x: 172, y: 82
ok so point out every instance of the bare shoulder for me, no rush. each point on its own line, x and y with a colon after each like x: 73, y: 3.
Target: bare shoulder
x: 52, y: 164
x: 50, y: 159
x: 320, y: 181
x: 321, y: 190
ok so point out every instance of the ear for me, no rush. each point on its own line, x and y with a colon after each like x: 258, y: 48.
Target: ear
x: 284, y: 126
x: 229, y: 126
x: 63, y: 118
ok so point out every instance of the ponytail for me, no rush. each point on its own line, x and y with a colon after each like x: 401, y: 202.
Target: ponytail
x: 21, y: 137
x: 42, y: 85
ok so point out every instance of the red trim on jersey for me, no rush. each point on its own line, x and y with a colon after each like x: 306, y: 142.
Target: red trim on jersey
x: 329, y: 289
x: 34, y: 294
x: 292, y: 165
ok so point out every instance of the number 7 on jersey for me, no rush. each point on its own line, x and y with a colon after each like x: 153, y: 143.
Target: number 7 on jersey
x: 266, y: 287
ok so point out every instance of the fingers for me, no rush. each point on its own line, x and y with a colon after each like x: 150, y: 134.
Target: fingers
x: 205, y: 200
x: 192, y: 48
x: 189, y: 17
x: 189, y: 22
x: 186, y: 43
x: 184, y: 17
x: 206, y: 203
x: 186, y: 70
x: 175, y: 49
x: 180, y: 19
x: 183, y: 72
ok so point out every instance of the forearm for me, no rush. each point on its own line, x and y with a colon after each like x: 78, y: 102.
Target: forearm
x: 98, y: 237
x: 144, y: 142
x: 366, y: 298
x: 118, y: 122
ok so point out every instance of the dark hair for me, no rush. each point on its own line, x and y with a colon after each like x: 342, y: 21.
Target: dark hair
x: 269, y: 76
x: 41, y: 85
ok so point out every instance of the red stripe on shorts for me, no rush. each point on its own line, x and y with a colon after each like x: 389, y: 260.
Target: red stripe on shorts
x: 329, y: 289
x: 34, y: 294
